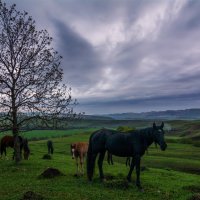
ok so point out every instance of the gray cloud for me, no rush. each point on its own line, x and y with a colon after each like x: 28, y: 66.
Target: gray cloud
x: 125, y: 55
x: 81, y: 62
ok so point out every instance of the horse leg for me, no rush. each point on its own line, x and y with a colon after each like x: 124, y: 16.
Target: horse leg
x: 137, y: 164
x: 131, y: 169
x: 108, y: 158
x: 128, y: 161
x: 2, y: 150
x: 91, y: 157
x: 77, y: 166
x: 100, y: 163
x: 111, y: 159
x: 81, y: 163
x: 5, y: 151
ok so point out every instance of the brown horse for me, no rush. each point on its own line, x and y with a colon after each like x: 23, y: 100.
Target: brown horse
x: 79, y: 150
x: 8, y: 141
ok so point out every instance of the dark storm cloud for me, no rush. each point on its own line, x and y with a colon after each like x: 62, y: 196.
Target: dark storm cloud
x: 131, y: 55
x: 81, y: 62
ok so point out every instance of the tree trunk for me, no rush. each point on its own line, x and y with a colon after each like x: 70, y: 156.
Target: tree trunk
x: 17, y: 143
x: 17, y: 150
x: 15, y: 128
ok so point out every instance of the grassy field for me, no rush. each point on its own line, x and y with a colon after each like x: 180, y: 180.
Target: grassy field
x: 173, y: 174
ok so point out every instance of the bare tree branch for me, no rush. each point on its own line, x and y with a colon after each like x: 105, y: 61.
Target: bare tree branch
x: 30, y: 75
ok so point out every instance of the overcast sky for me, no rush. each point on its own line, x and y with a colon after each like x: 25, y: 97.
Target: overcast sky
x: 125, y: 55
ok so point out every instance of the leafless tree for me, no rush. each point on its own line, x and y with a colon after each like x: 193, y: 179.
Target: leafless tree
x: 30, y: 74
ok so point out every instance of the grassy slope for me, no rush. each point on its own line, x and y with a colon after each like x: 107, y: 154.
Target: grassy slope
x: 158, y: 183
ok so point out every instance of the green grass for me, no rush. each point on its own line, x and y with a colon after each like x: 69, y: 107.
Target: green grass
x: 45, y: 134
x: 163, y: 180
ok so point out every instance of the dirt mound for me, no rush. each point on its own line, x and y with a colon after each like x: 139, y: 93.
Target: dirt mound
x: 32, y: 196
x: 51, y: 173
x: 46, y: 157
x: 195, y: 197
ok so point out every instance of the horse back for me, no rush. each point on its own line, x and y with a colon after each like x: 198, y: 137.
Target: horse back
x: 81, y: 147
x: 98, y: 139
x: 7, y: 141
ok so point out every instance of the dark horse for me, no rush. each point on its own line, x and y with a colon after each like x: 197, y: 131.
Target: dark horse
x: 8, y: 141
x: 50, y: 147
x: 132, y: 144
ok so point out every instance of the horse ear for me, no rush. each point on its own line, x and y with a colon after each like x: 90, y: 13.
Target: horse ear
x: 162, y: 125
x: 154, y: 125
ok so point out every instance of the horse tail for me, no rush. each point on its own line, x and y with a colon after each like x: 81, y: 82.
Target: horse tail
x: 90, y: 160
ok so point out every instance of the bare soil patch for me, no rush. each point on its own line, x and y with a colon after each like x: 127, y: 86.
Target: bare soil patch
x: 51, y: 173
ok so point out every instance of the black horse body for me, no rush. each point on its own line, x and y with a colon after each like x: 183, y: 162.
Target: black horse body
x: 132, y: 144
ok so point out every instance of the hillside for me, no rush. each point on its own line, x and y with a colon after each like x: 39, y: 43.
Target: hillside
x: 187, y: 114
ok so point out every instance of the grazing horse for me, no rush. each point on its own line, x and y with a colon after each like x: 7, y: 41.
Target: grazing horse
x: 79, y: 150
x: 132, y: 144
x: 50, y: 147
x: 8, y: 141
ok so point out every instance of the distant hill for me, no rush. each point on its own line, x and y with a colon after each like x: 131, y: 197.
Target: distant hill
x: 96, y: 117
x: 187, y: 114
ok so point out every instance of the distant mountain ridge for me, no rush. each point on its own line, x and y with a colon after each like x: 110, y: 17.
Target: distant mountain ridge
x: 187, y: 114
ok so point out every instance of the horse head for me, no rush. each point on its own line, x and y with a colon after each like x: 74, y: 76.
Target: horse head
x: 159, y: 136
x: 73, y: 148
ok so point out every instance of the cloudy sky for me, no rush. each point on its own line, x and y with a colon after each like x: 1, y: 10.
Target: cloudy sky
x: 125, y: 55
